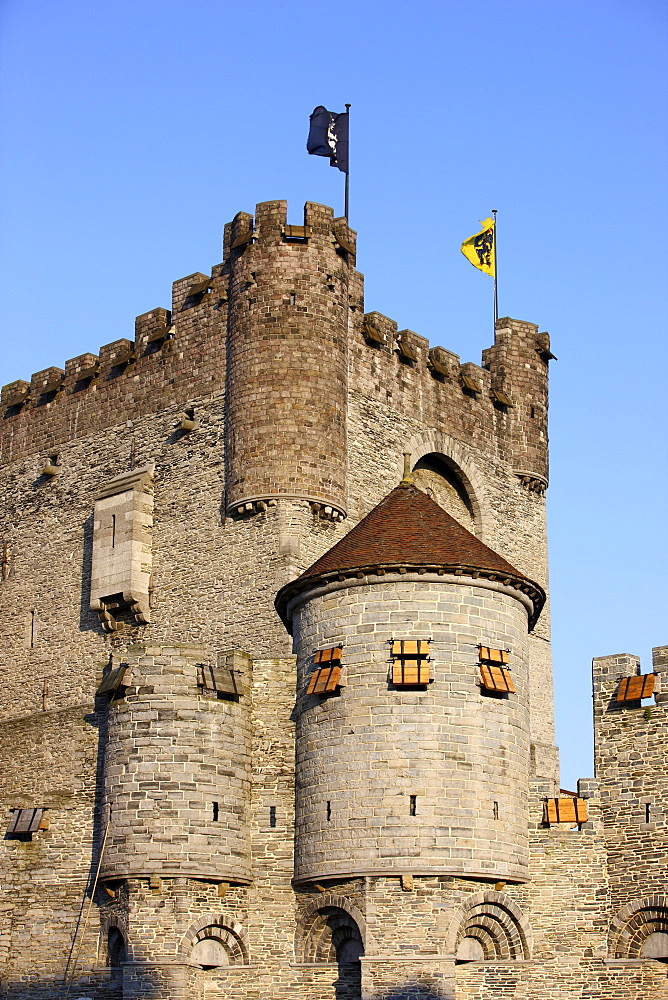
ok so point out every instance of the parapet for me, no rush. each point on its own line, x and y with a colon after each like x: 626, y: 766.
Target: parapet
x: 270, y: 226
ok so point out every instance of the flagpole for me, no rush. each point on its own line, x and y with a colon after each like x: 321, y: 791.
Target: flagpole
x: 348, y: 170
x: 496, y: 292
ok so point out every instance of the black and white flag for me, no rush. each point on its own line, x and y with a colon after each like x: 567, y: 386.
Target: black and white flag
x: 328, y: 136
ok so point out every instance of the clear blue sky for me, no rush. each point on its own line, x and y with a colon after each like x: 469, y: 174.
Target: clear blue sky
x: 134, y: 129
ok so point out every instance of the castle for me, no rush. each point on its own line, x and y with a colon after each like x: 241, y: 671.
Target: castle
x: 277, y: 714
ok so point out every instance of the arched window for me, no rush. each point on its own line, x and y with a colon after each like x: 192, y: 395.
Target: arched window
x: 332, y: 935
x: 435, y: 477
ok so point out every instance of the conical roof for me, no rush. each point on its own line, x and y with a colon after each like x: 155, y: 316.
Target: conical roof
x: 408, y: 530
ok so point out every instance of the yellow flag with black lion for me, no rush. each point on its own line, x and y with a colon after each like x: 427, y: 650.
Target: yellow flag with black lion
x: 480, y: 249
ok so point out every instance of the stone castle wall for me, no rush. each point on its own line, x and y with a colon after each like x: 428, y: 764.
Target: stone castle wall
x: 270, y: 407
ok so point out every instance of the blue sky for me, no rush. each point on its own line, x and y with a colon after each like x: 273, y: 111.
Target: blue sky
x: 133, y: 130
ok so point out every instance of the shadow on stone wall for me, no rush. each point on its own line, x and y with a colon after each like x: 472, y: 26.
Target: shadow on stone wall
x: 88, y: 619
x: 348, y: 985
x: 417, y: 991
x: 106, y: 986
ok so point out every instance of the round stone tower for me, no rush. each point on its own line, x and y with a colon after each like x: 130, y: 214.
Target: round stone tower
x: 412, y: 700
x: 177, y: 767
x: 287, y: 358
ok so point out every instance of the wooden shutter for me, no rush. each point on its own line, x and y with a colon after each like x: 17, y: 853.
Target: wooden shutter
x: 408, y: 672
x: 496, y: 679
x: 24, y: 821
x: 410, y: 662
x: 332, y: 655
x: 498, y: 656
x: 113, y: 680
x: 324, y: 680
x: 635, y: 688
x: 567, y: 810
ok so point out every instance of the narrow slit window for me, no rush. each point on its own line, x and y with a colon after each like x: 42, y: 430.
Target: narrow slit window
x: 496, y: 810
x: 113, y: 531
x: 272, y: 816
x: 412, y: 807
x: 329, y: 811
x: 215, y: 811
x: 293, y: 299
x: 648, y: 812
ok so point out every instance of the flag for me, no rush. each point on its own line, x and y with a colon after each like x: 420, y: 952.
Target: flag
x: 481, y: 248
x: 328, y: 136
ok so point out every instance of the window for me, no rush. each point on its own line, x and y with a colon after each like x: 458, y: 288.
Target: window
x: 494, y: 671
x: 635, y: 688
x: 410, y: 662
x: 220, y: 680
x: 26, y: 821
x: 565, y: 810
x: 500, y: 397
x: 112, y: 680
x: 326, y: 678
x: 469, y: 384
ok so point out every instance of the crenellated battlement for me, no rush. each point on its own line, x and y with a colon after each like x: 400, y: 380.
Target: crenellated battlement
x: 299, y: 282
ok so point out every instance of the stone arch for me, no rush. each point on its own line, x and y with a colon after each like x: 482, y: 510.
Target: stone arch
x: 114, y: 944
x: 215, y: 939
x: 488, y: 926
x: 457, y: 459
x: 640, y: 929
x: 331, y: 929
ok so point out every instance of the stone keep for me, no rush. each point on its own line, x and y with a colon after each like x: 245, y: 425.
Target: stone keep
x: 277, y: 717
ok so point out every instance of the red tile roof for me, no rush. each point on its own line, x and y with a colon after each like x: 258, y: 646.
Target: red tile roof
x: 409, y: 530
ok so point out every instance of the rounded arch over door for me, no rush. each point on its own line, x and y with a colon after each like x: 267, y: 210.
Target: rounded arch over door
x: 487, y: 927
x: 331, y: 929
x: 640, y: 929
x: 215, y: 940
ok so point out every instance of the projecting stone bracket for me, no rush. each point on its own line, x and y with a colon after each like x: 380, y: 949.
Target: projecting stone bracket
x: 532, y: 482
x: 258, y: 505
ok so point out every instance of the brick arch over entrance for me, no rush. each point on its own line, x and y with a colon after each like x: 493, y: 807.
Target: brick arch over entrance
x: 635, y: 922
x: 494, y: 923
x: 456, y: 457
x: 221, y: 927
x: 326, y: 926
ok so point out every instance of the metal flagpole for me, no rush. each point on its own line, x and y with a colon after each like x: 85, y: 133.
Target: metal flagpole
x: 348, y: 170
x: 496, y: 293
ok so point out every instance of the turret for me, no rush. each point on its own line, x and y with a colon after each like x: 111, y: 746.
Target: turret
x: 177, y: 765
x: 287, y: 357
x: 412, y: 700
x: 518, y: 366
